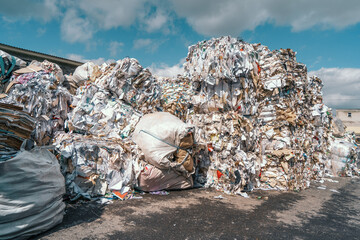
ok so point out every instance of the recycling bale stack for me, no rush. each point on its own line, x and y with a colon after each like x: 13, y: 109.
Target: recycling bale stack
x: 176, y: 95
x: 260, y: 120
x: 93, y: 166
x: 38, y: 89
x: 15, y: 127
x: 113, y: 100
x: 97, y: 154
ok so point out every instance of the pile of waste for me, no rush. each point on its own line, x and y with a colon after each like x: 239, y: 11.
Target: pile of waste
x: 226, y: 145
x: 33, y: 106
x: 240, y: 117
x: 258, y: 121
x: 260, y: 118
x: 15, y: 127
x: 112, y: 100
x: 94, y: 165
x: 343, y: 156
x: 97, y: 155
x: 344, y: 151
x: 176, y: 96
x: 38, y: 89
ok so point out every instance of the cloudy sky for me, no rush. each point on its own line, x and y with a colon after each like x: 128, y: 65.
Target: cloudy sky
x: 324, y: 33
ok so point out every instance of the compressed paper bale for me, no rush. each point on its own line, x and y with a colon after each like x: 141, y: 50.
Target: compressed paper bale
x: 93, y: 164
x: 282, y: 105
x: 114, y: 99
x: 42, y: 95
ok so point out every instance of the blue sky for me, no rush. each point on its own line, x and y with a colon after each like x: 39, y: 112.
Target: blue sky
x: 324, y: 33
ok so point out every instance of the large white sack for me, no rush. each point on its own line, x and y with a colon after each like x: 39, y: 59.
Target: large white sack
x: 158, y: 135
x: 31, y: 190
x: 341, y: 151
x: 338, y: 165
x: 341, y: 148
x: 83, y: 72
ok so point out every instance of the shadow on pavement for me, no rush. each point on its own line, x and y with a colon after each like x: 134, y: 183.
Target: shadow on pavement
x: 75, y: 214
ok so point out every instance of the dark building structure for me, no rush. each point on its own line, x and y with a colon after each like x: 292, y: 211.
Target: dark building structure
x: 68, y: 66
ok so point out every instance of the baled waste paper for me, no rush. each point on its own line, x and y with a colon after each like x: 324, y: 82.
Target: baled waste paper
x: 15, y: 127
x: 114, y: 98
x: 38, y: 90
x: 176, y: 94
x: 260, y: 117
x: 107, y: 106
x: 93, y: 165
x: 240, y: 117
x: 258, y: 121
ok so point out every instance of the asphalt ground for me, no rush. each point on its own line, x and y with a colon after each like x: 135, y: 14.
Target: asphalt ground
x: 328, y: 210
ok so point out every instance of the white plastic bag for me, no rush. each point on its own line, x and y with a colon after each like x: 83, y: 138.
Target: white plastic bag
x: 159, y: 135
x: 83, y: 72
x: 31, y: 190
x: 341, y: 148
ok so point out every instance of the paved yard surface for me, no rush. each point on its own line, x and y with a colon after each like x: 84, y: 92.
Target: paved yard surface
x: 316, y: 213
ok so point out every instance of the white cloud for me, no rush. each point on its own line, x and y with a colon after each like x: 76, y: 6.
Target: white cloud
x: 307, y: 13
x: 213, y: 17
x: 164, y: 70
x: 156, y: 22
x: 76, y: 57
x: 115, y: 48
x: 112, y: 13
x: 341, y: 86
x: 80, y: 58
x: 75, y: 28
x: 150, y: 45
x: 142, y: 42
x: 91, y: 16
x: 43, y: 10
x: 83, y: 18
